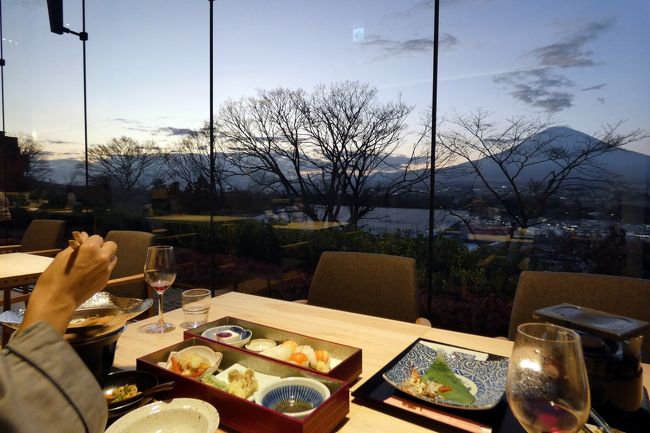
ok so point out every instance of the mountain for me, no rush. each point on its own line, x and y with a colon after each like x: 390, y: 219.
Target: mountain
x: 620, y: 165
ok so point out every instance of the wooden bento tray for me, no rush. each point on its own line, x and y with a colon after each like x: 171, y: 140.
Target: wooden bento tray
x: 245, y: 415
x: 348, y: 370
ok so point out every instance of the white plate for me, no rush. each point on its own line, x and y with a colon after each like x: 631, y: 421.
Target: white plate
x: 180, y: 415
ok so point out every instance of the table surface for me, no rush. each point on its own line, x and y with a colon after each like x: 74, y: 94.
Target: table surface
x: 380, y: 339
x: 19, y: 264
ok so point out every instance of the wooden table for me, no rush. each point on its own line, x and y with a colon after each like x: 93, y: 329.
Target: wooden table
x: 380, y: 339
x: 19, y: 269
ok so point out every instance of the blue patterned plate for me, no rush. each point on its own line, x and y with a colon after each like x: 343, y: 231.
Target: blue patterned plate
x: 486, y: 380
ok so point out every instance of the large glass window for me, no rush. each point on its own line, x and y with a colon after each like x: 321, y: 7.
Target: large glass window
x: 322, y: 127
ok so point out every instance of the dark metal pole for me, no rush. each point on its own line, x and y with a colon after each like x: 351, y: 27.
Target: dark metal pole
x: 212, y: 180
x: 2, y: 74
x: 84, y: 37
x: 432, y: 180
x: 3, y: 156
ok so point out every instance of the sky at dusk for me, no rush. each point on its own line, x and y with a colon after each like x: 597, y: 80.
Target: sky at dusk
x: 586, y: 62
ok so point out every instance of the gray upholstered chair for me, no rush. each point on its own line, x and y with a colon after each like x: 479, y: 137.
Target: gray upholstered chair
x: 623, y: 296
x: 42, y: 237
x: 127, y: 279
x: 374, y: 284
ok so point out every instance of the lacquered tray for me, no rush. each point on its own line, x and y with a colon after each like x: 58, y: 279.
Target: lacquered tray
x: 380, y: 395
x: 348, y: 370
x: 245, y: 415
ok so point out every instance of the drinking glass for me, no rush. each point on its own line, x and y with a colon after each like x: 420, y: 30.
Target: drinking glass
x: 160, y: 273
x: 196, y: 305
x: 547, y: 386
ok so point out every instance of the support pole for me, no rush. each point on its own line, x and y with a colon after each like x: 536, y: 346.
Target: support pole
x: 432, y: 179
x: 212, y: 174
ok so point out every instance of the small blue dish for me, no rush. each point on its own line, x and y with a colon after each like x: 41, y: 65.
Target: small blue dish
x: 293, y: 396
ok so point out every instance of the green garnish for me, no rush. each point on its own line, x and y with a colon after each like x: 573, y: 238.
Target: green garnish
x: 441, y: 373
x: 212, y: 380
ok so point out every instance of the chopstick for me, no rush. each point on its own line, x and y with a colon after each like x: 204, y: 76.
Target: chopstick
x: 601, y: 422
x: 76, y: 243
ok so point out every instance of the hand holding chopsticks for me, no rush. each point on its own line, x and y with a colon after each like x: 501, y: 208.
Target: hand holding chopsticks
x: 79, y: 238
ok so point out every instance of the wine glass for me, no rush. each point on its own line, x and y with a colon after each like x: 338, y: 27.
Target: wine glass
x: 160, y: 273
x: 547, y: 385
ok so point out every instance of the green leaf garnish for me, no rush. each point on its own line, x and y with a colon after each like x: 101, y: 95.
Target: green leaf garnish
x: 441, y: 373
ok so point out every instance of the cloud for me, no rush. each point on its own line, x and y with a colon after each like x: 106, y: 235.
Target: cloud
x: 170, y: 130
x: 410, y: 46
x: 398, y: 47
x: 59, y: 142
x: 571, y: 51
x: 539, y: 88
x: 132, y: 125
x: 545, y: 85
x: 596, y: 87
x: 136, y: 125
x: 448, y: 41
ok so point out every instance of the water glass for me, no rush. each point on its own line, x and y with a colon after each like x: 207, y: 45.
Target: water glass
x: 196, y: 305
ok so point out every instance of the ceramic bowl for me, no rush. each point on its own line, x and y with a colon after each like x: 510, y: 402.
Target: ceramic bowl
x: 213, y: 358
x: 142, y: 379
x: 260, y: 345
x: 293, y: 396
x: 229, y: 334
x: 180, y: 415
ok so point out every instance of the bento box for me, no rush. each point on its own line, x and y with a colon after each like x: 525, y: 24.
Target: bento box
x: 344, y: 361
x: 248, y: 414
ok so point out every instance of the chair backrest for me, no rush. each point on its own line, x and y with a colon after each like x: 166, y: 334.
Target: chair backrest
x: 623, y: 296
x: 131, y: 253
x: 43, y: 235
x: 374, y: 284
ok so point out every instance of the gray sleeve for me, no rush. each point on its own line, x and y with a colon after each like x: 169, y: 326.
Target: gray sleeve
x: 45, y: 387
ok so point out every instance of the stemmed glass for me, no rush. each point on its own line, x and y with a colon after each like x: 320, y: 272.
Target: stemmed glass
x: 547, y: 385
x: 160, y: 273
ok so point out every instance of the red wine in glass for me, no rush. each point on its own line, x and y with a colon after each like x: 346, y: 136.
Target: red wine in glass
x: 542, y: 416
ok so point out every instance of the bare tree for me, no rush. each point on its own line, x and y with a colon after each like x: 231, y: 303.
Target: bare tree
x: 331, y: 148
x: 190, y: 159
x: 265, y: 138
x: 125, y: 161
x: 36, y: 166
x: 525, y: 162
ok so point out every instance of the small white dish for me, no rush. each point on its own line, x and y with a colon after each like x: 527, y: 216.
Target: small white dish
x: 180, y: 415
x: 213, y: 358
x: 229, y: 334
x: 260, y: 345
x: 290, y: 393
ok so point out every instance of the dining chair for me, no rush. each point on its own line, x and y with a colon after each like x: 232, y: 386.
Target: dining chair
x: 624, y: 296
x: 127, y: 279
x: 42, y: 237
x: 374, y: 284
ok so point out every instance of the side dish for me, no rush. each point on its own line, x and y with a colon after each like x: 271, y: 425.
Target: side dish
x: 439, y: 381
x: 242, y: 384
x: 189, y: 364
x: 304, y: 356
x: 121, y: 393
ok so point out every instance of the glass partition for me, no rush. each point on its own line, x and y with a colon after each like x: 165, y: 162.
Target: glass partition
x: 322, y: 139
